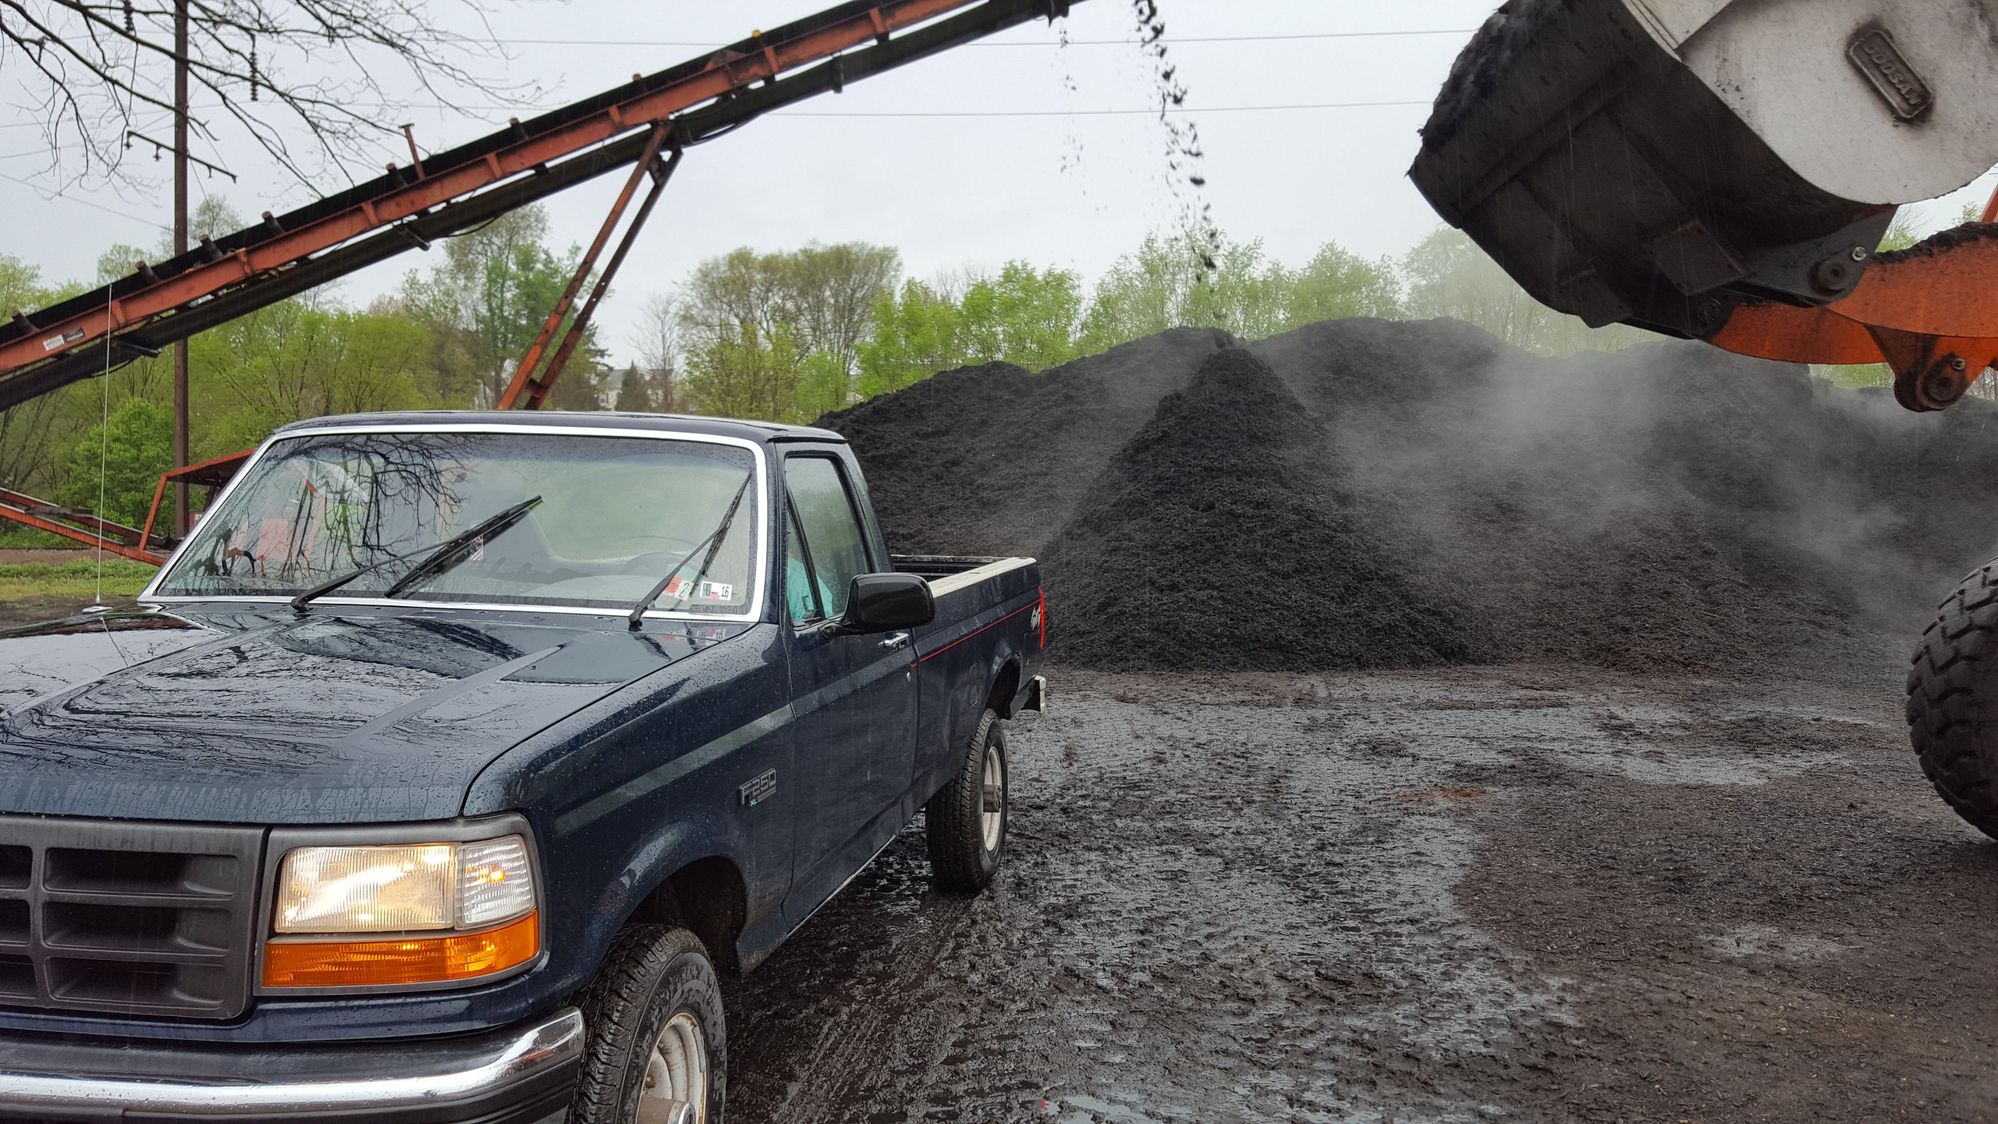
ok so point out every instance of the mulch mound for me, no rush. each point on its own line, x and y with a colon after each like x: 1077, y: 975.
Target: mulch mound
x: 1393, y: 494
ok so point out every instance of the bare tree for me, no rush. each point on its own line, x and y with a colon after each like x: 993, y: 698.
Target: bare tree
x: 282, y: 70
x: 658, y: 343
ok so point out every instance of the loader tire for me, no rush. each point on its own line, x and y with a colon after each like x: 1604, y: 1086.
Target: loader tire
x: 1953, y: 700
x: 966, y: 845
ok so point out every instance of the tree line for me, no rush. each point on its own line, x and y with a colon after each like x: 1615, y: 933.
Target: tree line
x: 786, y: 336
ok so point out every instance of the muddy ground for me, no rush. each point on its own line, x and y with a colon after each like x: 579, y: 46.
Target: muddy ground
x: 1523, y: 892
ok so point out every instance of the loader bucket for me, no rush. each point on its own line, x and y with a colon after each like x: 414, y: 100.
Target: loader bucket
x: 1654, y: 161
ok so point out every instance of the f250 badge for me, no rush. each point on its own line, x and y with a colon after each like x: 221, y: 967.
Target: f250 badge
x: 757, y: 789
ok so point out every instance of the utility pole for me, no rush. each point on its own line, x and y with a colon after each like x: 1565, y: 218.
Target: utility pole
x: 180, y: 49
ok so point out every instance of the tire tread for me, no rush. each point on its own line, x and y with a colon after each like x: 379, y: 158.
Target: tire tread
x: 617, y: 1000
x: 952, y: 819
x: 1952, y: 706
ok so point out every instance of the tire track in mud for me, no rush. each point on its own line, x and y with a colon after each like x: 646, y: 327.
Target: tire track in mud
x: 1457, y: 896
x: 861, y: 964
x: 857, y: 1047
x: 1192, y: 919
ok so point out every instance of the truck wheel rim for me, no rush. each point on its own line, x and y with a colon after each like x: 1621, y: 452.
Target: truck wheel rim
x: 676, y: 1075
x: 993, y: 821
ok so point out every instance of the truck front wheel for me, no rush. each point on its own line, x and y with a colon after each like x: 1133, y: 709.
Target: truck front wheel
x: 658, y: 1046
x: 1953, y: 700
x: 967, y: 820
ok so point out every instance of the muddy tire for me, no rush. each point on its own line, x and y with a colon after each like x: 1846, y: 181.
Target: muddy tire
x: 656, y: 1032
x: 1953, y: 700
x: 967, y: 820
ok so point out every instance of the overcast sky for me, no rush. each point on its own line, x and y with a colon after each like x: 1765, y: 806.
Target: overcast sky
x: 1308, y: 110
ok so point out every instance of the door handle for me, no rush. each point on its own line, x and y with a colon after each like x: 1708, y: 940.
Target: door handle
x: 899, y: 640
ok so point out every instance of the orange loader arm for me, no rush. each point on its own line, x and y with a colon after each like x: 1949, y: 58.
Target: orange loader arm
x: 1930, y: 313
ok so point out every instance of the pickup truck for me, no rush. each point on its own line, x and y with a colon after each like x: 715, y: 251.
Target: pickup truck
x: 442, y: 769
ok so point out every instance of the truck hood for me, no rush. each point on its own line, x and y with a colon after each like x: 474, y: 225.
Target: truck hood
x: 271, y: 717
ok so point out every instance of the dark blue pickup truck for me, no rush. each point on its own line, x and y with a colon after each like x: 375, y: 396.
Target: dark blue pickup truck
x: 444, y: 766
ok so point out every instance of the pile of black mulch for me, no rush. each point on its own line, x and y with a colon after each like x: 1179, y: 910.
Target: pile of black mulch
x: 1226, y: 535
x: 1391, y: 494
x: 992, y: 459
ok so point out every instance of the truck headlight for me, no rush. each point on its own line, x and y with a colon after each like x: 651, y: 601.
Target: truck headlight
x: 458, y: 911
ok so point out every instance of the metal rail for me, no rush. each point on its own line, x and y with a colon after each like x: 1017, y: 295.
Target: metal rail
x: 75, y: 525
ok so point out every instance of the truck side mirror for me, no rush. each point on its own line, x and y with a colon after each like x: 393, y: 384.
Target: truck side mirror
x: 886, y: 602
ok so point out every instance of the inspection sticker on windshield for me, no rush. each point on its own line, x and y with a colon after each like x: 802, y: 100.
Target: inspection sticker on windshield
x: 679, y: 587
x: 717, y: 591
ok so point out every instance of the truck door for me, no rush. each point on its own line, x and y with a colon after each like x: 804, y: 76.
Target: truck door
x: 855, y: 723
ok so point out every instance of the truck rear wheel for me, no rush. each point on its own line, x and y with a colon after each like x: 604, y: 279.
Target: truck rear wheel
x: 1953, y: 700
x: 967, y: 820
x: 658, y: 1046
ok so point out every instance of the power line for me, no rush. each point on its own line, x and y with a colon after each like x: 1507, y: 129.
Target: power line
x: 87, y: 203
x: 1170, y: 40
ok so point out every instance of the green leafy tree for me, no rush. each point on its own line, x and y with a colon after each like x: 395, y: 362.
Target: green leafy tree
x: 1337, y: 284
x: 1023, y: 316
x: 746, y: 374
x: 823, y: 386
x: 827, y: 294
x: 129, y: 450
x: 301, y: 359
x: 1144, y: 292
x: 29, y: 433
x: 821, y: 299
x: 1245, y: 294
x: 1186, y: 281
x: 633, y: 395
x: 584, y: 383
x: 488, y: 298
x: 916, y: 334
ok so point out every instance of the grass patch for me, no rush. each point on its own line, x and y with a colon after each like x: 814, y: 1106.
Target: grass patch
x: 30, y: 582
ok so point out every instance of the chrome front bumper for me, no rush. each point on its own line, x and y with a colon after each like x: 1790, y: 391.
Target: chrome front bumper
x: 517, y: 1073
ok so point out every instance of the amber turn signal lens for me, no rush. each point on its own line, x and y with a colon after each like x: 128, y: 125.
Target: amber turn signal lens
x: 405, y: 960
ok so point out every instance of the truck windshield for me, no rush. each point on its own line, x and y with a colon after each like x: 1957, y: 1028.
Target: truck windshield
x: 616, y: 515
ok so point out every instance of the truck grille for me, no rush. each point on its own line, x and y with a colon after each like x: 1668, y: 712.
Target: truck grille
x: 125, y: 918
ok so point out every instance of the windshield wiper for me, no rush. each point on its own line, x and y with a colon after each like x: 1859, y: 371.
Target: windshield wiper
x: 430, y: 564
x: 713, y: 545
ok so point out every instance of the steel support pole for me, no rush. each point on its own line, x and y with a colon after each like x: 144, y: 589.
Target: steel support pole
x: 523, y: 375
x: 579, y: 327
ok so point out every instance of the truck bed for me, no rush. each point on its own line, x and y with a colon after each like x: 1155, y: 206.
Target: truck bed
x: 937, y: 567
x: 997, y: 580
x: 997, y: 600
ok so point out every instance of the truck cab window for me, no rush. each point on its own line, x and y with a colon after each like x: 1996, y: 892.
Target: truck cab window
x: 833, y: 547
